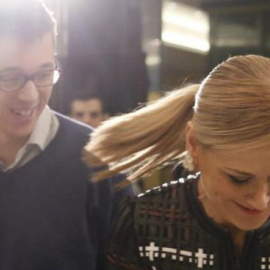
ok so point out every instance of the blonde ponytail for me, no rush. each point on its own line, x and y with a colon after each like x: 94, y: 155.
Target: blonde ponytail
x: 140, y: 141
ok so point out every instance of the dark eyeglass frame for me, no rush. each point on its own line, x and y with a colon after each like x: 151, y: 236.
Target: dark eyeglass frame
x: 57, y: 71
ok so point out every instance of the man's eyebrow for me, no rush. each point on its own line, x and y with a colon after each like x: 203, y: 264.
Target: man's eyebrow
x: 47, y: 65
x: 10, y: 69
x: 16, y: 69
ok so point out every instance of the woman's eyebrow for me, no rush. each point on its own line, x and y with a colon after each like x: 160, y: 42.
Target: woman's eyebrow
x: 238, y: 171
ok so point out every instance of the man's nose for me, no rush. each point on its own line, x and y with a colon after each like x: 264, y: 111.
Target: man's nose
x: 29, y: 92
x: 89, y: 122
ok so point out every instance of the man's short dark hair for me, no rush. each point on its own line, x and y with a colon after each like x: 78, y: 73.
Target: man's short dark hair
x: 25, y: 19
x: 86, y: 97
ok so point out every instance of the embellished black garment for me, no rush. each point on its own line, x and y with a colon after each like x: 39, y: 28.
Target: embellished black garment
x: 166, y: 228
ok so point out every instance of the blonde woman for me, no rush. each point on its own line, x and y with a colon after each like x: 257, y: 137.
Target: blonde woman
x: 217, y: 218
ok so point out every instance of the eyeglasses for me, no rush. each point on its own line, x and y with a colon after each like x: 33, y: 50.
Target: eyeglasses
x: 15, y: 82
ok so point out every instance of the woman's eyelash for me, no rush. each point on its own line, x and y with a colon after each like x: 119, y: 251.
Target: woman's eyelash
x: 237, y: 180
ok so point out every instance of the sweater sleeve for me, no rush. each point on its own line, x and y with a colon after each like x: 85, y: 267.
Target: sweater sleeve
x: 106, y: 205
x: 122, y: 250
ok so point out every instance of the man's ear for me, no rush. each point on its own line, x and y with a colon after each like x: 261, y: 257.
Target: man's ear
x: 192, y: 144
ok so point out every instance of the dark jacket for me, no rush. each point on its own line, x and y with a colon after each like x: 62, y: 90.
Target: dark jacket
x: 51, y: 216
x: 166, y: 228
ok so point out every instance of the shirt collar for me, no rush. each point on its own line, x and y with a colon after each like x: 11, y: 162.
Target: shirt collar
x: 42, y: 129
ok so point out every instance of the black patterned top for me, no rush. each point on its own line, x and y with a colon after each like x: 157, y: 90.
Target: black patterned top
x: 167, y: 228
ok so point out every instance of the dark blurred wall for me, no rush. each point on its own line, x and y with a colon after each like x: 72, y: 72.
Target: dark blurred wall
x: 104, y: 54
x: 181, y: 66
x: 238, y: 27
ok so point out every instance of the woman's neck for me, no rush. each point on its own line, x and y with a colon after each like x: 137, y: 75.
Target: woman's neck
x: 238, y: 238
x: 237, y: 235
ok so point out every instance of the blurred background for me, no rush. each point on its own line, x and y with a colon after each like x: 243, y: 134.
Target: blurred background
x: 127, y: 52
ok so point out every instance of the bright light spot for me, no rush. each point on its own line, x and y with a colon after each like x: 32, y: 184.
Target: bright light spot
x: 152, y: 60
x: 185, y: 41
x: 185, y: 22
x: 185, y: 27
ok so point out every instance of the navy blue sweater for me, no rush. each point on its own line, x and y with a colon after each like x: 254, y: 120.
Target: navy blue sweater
x: 51, y: 216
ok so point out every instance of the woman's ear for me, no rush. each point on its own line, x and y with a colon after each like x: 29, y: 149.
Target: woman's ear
x: 192, y: 144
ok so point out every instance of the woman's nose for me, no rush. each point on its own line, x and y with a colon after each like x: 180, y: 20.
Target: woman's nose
x: 259, y: 197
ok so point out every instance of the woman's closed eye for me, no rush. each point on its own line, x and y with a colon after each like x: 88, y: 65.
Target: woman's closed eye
x: 239, y: 180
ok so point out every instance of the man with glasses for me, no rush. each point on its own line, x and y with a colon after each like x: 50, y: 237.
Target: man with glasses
x: 51, y: 216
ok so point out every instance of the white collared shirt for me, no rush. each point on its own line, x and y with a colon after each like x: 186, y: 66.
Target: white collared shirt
x: 43, y: 133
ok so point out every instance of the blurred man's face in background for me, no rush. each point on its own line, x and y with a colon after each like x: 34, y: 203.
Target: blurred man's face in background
x: 88, y: 111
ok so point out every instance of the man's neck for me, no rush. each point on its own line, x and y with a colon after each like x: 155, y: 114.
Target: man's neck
x: 9, y: 148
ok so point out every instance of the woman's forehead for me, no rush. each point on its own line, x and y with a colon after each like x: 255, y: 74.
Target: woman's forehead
x: 240, y: 158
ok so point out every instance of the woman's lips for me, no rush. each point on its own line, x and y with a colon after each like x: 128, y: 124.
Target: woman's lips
x: 249, y: 211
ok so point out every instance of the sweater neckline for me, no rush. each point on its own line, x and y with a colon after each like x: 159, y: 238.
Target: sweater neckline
x: 35, y: 160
